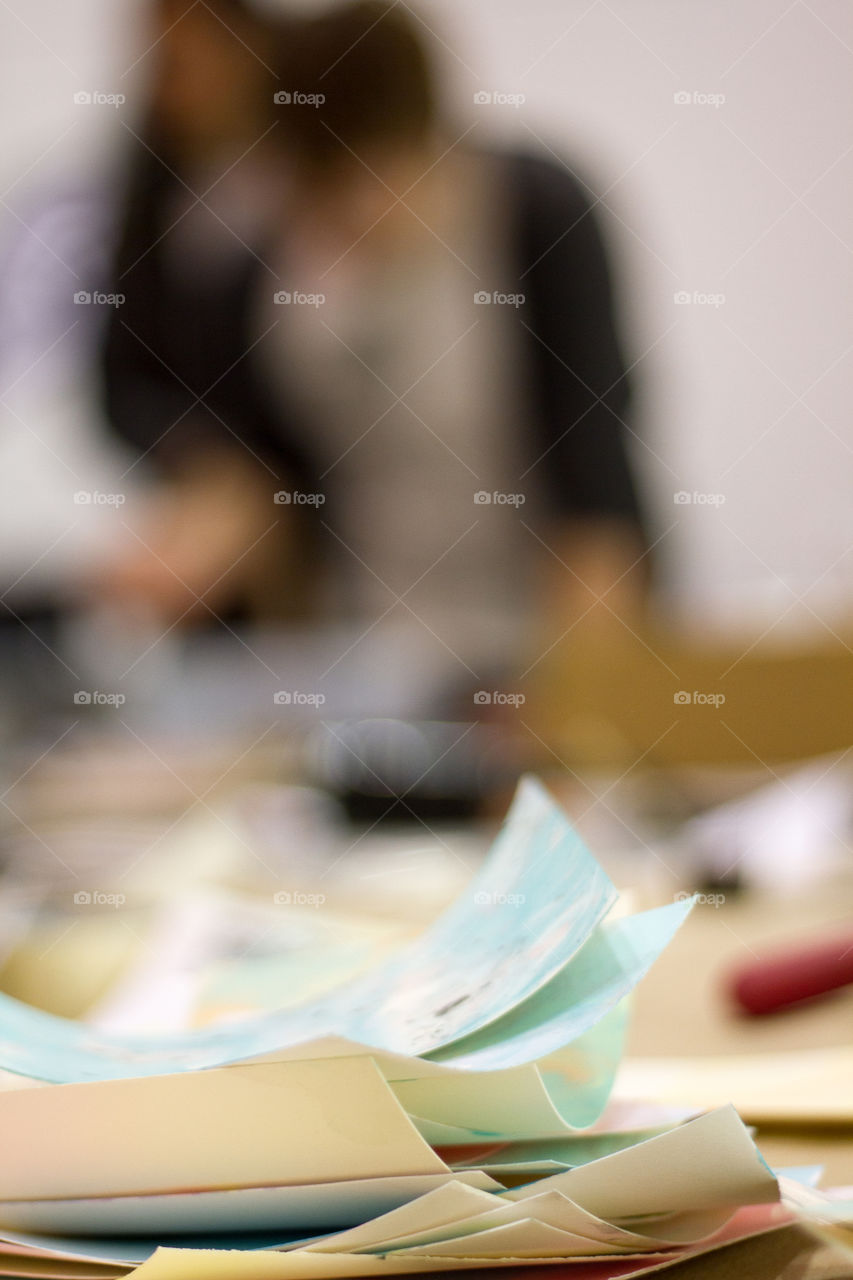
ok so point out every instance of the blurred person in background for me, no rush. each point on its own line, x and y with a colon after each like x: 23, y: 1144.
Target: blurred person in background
x: 129, y: 226
x: 206, y: 189
x: 429, y: 374
x: 171, y: 223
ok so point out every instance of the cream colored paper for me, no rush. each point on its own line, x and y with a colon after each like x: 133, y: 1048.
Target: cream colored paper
x: 33, y: 1266
x: 591, y: 1234
x: 280, y: 1123
x: 505, y: 1105
x: 305, y: 1209
x: 451, y: 1106
x: 708, y: 1163
x: 527, y: 1238
x: 809, y: 1086
x: 175, y: 1264
x: 442, y: 1209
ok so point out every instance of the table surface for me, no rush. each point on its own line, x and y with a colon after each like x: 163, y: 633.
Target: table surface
x: 680, y: 1009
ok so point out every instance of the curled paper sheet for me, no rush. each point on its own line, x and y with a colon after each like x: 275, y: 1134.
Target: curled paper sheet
x: 527, y: 912
x: 434, y: 1114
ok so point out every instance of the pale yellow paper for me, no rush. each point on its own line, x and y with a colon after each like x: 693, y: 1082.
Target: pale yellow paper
x: 526, y: 1238
x: 551, y: 1209
x: 306, y: 1209
x: 394, y: 1066
x: 9, y: 1081
x: 827, y: 1216
x: 442, y: 1208
x: 450, y: 1105
x: 708, y: 1163
x: 272, y: 1123
x: 809, y: 1086
x: 542, y: 1209
x: 32, y: 1266
x: 508, y: 1105
x: 191, y: 1264
x: 448, y: 1135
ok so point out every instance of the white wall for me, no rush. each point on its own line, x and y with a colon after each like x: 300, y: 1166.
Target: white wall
x: 749, y: 199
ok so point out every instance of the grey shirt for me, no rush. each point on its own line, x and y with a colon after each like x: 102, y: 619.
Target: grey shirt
x: 410, y: 388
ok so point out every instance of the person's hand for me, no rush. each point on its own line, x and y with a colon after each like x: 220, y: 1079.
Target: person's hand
x: 198, y: 547
x: 597, y: 569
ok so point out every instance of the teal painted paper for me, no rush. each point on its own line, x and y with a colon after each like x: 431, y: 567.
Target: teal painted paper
x: 606, y: 969
x: 534, y: 903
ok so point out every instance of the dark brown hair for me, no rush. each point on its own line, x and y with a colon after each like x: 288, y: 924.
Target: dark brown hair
x: 357, y: 76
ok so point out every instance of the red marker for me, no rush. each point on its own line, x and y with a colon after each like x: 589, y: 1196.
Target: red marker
x: 789, y: 977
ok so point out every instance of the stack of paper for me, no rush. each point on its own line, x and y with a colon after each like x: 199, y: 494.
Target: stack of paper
x: 263, y: 1157
x: 445, y: 1110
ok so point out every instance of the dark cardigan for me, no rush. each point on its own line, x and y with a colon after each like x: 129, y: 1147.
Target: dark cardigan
x: 178, y: 373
